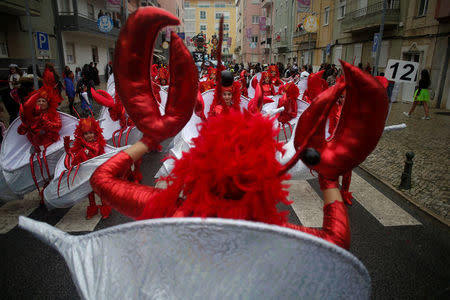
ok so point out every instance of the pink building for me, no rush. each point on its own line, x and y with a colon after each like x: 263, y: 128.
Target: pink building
x: 254, y: 30
x: 176, y: 7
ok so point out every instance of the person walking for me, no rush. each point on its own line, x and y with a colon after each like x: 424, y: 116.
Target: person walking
x: 422, y: 95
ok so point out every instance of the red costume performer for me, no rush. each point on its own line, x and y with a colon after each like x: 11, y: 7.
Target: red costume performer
x: 274, y: 75
x: 289, y: 102
x: 266, y: 85
x: 243, y: 81
x: 41, y: 122
x: 232, y: 172
x: 88, y: 143
x: 316, y: 85
x: 227, y: 95
x: 163, y: 76
x: 210, y: 83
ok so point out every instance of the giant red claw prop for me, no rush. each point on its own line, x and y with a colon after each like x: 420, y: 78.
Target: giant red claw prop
x: 133, y: 60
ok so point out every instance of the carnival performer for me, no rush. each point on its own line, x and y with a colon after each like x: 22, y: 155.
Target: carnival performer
x: 88, y: 143
x: 243, y: 81
x: 289, y: 102
x: 163, y: 76
x: 274, y: 75
x: 266, y: 85
x: 227, y: 95
x: 210, y: 83
x: 315, y: 85
x: 232, y: 171
x: 41, y: 122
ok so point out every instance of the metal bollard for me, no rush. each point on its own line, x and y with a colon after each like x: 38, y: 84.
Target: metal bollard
x: 405, y: 183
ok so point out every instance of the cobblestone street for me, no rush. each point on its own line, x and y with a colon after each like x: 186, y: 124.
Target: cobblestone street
x: 430, y: 142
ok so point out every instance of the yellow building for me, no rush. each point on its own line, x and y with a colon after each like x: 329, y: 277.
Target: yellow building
x: 204, y: 16
x: 312, y: 47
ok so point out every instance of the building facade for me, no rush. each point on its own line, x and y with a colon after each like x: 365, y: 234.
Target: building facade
x: 249, y: 12
x: 203, y: 16
x: 284, y: 16
x: 15, y: 46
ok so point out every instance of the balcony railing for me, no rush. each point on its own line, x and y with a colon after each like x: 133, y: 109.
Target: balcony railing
x: 369, y: 17
x: 70, y: 21
x: 17, y: 7
x: 266, y: 3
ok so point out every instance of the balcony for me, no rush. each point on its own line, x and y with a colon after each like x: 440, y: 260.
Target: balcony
x: 17, y: 7
x: 369, y: 18
x: 70, y: 21
x: 266, y: 3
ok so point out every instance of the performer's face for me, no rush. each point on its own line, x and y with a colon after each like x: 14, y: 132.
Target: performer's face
x: 89, y: 136
x: 266, y: 79
x: 42, y: 104
x: 273, y: 73
x: 163, y: 82
x: 227, y: 96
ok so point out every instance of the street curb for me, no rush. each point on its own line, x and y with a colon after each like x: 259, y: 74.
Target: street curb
x: 407, y: 198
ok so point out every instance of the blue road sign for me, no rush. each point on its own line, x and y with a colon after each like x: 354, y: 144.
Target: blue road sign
x: 328, y: 49
x: 376, y: 42
x: 43, y: 44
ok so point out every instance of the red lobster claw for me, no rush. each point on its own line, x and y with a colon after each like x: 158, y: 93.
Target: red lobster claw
x: 256, y: 103
x: 102, y: 97
x: 133, y: 60
x: 358, y: 131
x: 200, y: 107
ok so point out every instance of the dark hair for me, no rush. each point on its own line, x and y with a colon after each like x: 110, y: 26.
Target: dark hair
x: 425, y: 78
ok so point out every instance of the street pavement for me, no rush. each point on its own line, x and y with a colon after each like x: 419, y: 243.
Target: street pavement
x: 430, y: 142
x: 404, y: 249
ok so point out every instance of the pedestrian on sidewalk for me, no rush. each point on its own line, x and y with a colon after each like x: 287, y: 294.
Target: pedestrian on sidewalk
x: 422, y: 95
x: 70, y: 89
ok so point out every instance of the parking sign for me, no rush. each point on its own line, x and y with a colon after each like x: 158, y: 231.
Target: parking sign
x: 43, y: 44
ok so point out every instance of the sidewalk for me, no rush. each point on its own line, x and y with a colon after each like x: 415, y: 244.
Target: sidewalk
x: 430, y: 142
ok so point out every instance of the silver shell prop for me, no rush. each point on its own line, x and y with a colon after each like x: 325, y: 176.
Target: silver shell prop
x: 195, y: 258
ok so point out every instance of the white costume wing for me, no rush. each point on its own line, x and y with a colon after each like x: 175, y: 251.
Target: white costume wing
x: 80, y: 187
x: 15, y: 155
x: 195, y: 258
x: 6, y: 194
x: 251, y: 90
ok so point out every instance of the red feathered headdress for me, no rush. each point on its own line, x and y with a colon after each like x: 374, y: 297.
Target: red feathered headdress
x: 264, y: 75
x: 89, y: 124
x: 273, y: 68
x: 235, y: 176
x: 292, y: 91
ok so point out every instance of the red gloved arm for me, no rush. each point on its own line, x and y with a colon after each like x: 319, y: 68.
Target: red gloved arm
x: 335, y: 228
x: 128, y: 198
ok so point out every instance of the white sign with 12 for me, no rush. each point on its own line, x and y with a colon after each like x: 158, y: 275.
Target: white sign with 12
x: 401, y: 71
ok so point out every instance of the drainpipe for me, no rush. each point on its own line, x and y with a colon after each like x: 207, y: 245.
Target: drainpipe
x: 58, y: 35
x: 377, y: 57
x: 30, y: 37
x: 444, y: 76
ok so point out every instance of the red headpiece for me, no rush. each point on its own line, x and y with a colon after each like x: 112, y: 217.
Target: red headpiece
x: 273, y: 68
x: 89, y: 124
x: 264, y: 75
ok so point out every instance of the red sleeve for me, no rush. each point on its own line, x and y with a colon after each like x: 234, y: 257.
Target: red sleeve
x: 293, y: 112
x: 127, y: 197
x: 335, y: 228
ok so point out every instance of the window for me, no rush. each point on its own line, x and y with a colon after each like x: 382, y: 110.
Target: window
x: 219, y: 4
x: 341, y: 9
x: 203, y: 4
x: 187, y: 4
x: 70, y: 53
x: 255, y: 1
x: 326, y: 16
x: 202, y: 15
x: 423, y: 6
x: 226, y: 26
x: 324, y: 55
x: 226, y: 15
x: 90, y: 9
x: 95, y: 54
x: 255, y: 19
x: 254, y: 39
x: 3, y: 49
x: 189, y: 14
x: 203, y: 27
